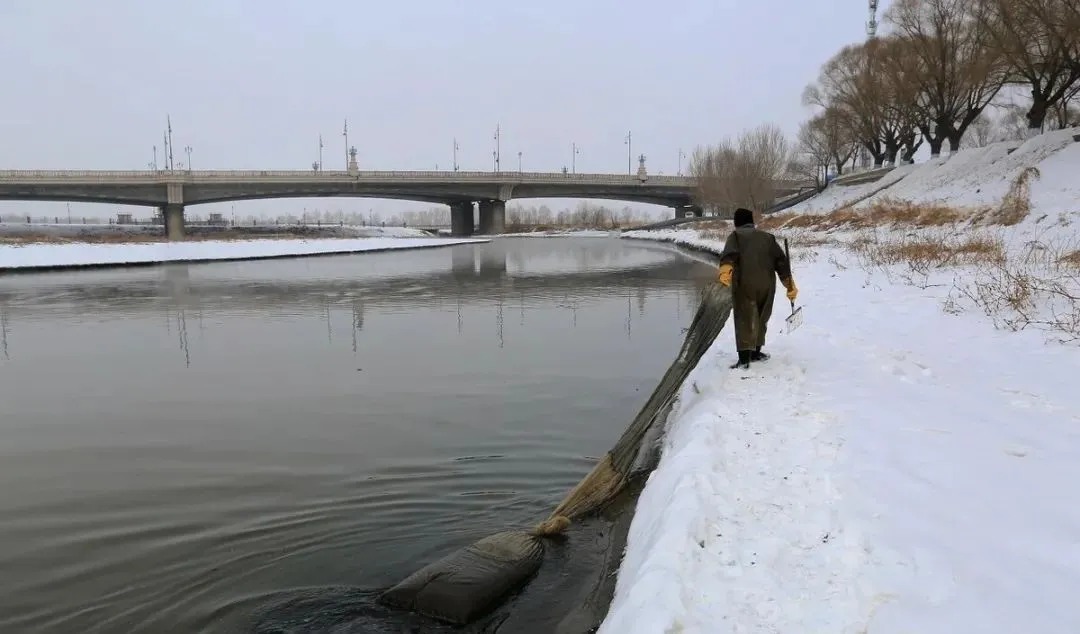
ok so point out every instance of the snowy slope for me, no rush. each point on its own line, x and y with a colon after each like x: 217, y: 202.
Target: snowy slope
x: 973, y: 179
x: 837, y: 196
x: 979, y: 176
x: 72, y: 254
x: 892, y: 469
x: 900, y: 464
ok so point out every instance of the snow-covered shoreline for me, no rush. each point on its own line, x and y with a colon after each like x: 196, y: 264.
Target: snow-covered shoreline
x: 563, y: 233
x: 35, y: 256
x: 899, y: 465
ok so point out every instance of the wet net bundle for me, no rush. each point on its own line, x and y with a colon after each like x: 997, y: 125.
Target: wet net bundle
x: 473, y: 580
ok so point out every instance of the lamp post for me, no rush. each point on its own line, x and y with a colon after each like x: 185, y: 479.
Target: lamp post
x: 345, y: 133
x: 187, y: 150
x: 681, y: 157
x: 456, y: 148
x: 629, y: 153
x: 519, y: 161
x: 574, y: 151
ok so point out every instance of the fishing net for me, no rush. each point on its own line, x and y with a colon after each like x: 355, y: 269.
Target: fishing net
x: 636, y: 450
x: 473, y: 580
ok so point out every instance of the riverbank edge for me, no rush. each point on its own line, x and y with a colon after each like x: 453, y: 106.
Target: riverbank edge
x: 593, y: 606
x: 147, y: 263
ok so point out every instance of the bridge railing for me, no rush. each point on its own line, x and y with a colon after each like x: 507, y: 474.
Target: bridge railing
x: 311, y: 175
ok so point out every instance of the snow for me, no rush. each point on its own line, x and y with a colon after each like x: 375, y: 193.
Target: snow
x: 891, y: 469
x: 974, y: 178
x: 388, y: 232
x: 837, y: 196
x: 981, y: 176
x: 899, y: 465
x: 562, y: 233
x: 24, y: 256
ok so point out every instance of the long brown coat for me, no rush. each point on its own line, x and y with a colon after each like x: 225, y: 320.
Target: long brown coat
x: 758, y: 260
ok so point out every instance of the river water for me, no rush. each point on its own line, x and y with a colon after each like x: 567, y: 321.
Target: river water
x: 185, y: 444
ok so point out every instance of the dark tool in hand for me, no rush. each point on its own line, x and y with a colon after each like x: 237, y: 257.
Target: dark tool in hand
x: 794, y: 320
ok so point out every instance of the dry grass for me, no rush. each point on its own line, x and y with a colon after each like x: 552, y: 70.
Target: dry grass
x: 925, y: 245
x: 88, y: 238
x: 1016, y: 205
x: 713, y: 225
x: 885, y: 213
x: 926, y: 251
x: 1014, y: 208
x: 1071, y: 259
x: 1039, y: 287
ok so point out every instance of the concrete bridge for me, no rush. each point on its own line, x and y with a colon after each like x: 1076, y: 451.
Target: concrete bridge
x: 172, y: 190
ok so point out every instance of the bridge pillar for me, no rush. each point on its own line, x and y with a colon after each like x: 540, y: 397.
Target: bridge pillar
x: 492, y: 217
x: 486, y: 212
x: 173, y: 215
x: 498, y: 217
x: 461, y: 219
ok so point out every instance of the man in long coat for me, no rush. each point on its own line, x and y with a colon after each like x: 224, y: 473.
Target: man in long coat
x: 750, y: 263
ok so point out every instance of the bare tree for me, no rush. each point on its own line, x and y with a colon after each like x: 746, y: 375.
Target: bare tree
x: 946, y: 58
x: 1012, y: 123
x: 741, y: 173
x: 1040, y: 43
x: 814, y: 148
x: 851, y: 83
x: 1064, y: 114
x: 981, y: 132
x: 829, y: 139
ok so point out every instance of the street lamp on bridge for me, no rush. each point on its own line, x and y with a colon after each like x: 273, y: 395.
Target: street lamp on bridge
x: 187, y: 150
x: 629, y: 146
x: 574, y: 151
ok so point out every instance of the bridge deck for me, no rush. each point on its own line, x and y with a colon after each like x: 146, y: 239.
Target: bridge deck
x: 264, y: 176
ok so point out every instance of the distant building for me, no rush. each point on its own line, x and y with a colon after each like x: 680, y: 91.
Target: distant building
x: 217, y: 219
x: 124, y: 219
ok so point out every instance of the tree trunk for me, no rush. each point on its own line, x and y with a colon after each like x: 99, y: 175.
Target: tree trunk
x: 891, y: 149
x: 954, y: 142
x: 1036, y: 115
x: 911, y: 144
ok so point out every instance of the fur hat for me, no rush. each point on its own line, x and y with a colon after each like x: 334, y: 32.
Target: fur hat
x: 743, y: 217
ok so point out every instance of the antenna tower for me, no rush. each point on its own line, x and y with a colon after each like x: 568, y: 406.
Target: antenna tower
x: 871, y: 24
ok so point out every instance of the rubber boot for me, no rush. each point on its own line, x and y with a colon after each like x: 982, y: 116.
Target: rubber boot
x: 758, y: 355
x: 744, y: 360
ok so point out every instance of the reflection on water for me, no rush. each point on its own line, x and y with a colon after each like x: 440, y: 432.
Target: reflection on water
x: 184, y: 443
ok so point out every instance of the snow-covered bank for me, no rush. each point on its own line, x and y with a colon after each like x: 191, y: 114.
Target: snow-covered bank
x: 562, y: 233
x: 35, y: 256
x: 973, y: 178
x: 904, y: 461
x: 892, y: 468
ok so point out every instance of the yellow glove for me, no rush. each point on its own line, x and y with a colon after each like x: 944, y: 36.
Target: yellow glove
x: 792, y: 290
x: 725, y: 274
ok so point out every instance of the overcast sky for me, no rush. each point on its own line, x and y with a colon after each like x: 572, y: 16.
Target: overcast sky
x: 250, y: 84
